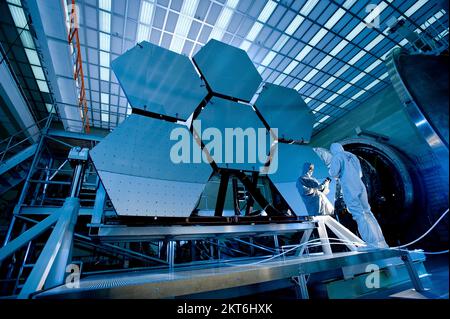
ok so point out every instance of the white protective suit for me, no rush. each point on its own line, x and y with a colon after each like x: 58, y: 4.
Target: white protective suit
x: 346, y: 167
x: 314, y: 193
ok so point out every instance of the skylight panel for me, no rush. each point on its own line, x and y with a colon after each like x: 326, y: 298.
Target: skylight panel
x: 357, y: 57
x: 328, y: 82
x: 32, y: 56
x: 38, y: 72
x: 221, y: 23
x: 146, y: 14
x: 291, y: 66
x: 346, y: 103
x: 334, y: 18
x: 293, y: 26
x: 373, y: 66
x: 308, y: 7
x: 104, y: 41
x: 375, y: 12
x: 105, y: 117
x: 105, y: 21
x: 280, y: 43
x: 104, y: 74
x: 317, y: 37
x: 416, y: 6
x: 27, y: 40
x: 374, y: 42
x: 16, y: 2
x: 50, y: 108
x: 371, y: 85
x: 254, y: 31
x: 339, y: 47
x: 357, y: 95
x: 342, y: 70
x: 104, y: 58
x: 344, y: 88
x: 177, y: 44
x: 310, y: 75
x: 143, y: 33
x: 323, y: 119
x: 303, y: 53
x: 348, y: 4
x: 315, y: 93
x: 356, y: 30
x: 383, y: 76
x: 43, y: 87
x: 269, y: 57
x: 18, y: 16
x: 299, y: 85
x: 321, y: 106
x: 324, y: 62
x: 104, y: 98
x: 280, y: 79
x: 105, y: 5
x: 245, y: 45
x: 267, y: 11
x: 357, y: 78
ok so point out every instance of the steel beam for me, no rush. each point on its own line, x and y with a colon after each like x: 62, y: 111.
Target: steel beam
x: 17, y: 243
x: 56, y: 243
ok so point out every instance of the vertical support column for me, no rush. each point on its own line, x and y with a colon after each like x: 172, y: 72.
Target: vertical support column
x: 171, y: 253
x: 250, y: 200
x: 301, y: 285
x: 222, y: 194
x: 276, y: 244
x: 237, y: 210
x: 47, y: 178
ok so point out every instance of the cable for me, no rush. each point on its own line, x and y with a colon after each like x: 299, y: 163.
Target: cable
x: 296, y: 247
x: 426, y: 233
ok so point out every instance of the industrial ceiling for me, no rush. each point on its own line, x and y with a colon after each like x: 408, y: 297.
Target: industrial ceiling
x: 331, y: 51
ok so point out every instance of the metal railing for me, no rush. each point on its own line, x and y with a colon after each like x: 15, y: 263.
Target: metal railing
x: 16, y: 142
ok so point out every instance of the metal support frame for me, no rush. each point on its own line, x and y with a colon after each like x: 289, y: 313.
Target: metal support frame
x: 222, y: 193
x: 99, y: 205
x: 250, y: 200
x: 301, y: 286
x: 54, y: 250
x: 254, y: 191
x: 415, y: 279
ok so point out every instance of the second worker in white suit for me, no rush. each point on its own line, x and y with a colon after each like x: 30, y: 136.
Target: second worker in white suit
x: 346, y: 166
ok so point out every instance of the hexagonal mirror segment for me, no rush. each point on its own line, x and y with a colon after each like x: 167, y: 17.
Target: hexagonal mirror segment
x: 227, y: 70
x: 159, y: 81
x: 283, y: 108
x: 233, y: 135
x: 147, y: 168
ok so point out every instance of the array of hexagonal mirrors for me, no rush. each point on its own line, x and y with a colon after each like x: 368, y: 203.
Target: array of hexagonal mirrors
x: 170, y: 101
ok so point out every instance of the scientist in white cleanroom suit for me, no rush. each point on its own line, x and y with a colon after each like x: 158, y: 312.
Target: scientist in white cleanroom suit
x: 313, y: 192
x: 346, y: 166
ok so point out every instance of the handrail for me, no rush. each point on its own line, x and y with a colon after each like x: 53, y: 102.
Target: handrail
x: 25, y: 129
x: 9, y: 140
